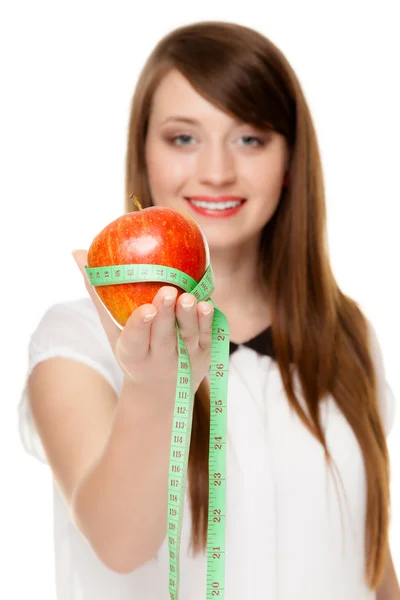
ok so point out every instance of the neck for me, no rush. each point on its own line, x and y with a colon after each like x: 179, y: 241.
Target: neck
x: 239, y: 288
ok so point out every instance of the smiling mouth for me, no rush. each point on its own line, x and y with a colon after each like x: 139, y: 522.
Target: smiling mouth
x: 220, y: 209
x: 216, y: 206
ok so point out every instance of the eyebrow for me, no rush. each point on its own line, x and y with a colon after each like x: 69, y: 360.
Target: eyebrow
x: 191, y: 121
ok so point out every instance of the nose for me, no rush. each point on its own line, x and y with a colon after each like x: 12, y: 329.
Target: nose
x: 216, y: 166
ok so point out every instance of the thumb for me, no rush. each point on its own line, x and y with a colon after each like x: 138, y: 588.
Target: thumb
x: 110, y: 327
x: 80, y: 257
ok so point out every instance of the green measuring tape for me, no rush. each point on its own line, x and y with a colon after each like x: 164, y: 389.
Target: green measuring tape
x: 182, y: 420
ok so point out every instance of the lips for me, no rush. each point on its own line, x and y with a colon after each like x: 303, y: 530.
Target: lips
x: 215, y: 198
x: 207, y: 206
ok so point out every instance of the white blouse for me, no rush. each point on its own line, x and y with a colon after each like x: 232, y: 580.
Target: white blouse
x: 287, y: 537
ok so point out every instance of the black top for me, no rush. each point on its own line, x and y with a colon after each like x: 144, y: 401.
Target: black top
x: 262, y: 343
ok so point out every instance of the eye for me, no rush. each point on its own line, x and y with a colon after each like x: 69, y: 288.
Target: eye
x: 180, y: 137
x: 184, y: 140
x: 259, y: 141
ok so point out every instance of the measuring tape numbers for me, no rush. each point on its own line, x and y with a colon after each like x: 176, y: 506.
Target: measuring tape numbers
x: 182, y: 421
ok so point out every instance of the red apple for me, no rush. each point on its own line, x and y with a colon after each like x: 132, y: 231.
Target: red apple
x: 154, y: 235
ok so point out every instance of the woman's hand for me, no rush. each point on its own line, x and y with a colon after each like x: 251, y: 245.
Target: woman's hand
x: 147, y: 347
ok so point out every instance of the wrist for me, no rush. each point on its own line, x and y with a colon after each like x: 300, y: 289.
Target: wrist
x: 147, y: 400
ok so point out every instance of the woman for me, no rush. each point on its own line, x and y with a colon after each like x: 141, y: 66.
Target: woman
x: 220, y: 129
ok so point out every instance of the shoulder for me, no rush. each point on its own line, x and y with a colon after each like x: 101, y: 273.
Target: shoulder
x: 81, y: 309
x: 73, y: 329
x: 66, y: 319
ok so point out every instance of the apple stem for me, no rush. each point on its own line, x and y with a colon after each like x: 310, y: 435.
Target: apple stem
x: 136, y: 201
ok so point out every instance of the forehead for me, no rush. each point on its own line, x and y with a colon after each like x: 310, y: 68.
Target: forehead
x: 175, y: 96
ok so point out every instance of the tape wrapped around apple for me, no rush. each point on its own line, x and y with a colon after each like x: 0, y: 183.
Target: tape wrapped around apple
x: 156, y: 235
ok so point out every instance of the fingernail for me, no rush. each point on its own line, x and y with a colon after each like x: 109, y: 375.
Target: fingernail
x: 73, y: 255
x: 207, y: 309
x: 188, y: 304
x: 149, y: 317
x: 168, y: 300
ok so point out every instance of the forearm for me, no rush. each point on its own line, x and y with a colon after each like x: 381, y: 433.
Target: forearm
x: 121, y: 504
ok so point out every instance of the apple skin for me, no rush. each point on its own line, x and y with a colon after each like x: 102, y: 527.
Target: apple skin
x: 155, y: 235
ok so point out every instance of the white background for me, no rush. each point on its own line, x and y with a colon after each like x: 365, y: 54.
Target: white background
x: 68, y: 73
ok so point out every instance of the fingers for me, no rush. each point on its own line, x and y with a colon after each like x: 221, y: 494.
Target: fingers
x: 158, y: 334
x: 111, y: 329
x: 163, y: 332
x: 205, y: 313
x: 195, y: 322
x: 142, y: 338
x: 186, y: 314
x: 183, y: 311
x: 134, y: 341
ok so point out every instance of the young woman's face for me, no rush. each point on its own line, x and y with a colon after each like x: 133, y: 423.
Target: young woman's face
x: 214, y: 155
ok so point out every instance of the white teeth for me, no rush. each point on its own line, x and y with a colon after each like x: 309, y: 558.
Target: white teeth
x: 216, y: 205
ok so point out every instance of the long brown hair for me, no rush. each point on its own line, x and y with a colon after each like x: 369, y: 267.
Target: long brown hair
x: 314, y: 324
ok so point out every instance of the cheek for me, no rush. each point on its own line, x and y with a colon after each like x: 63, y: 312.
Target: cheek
x: 164, y: 168
x: 267, y: 175
x: 262, y: 177
x: 157, y: 173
